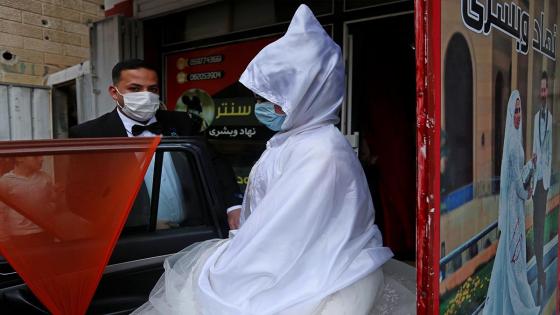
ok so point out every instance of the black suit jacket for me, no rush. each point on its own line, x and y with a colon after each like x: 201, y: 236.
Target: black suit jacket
x: 111, y: 125
x: 173, y: 124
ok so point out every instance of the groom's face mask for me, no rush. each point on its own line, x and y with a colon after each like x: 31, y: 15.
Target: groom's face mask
x: 137, y: 94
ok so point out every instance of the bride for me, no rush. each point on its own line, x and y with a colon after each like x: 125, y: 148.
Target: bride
x: 509, y: 291
x: 307, y: 242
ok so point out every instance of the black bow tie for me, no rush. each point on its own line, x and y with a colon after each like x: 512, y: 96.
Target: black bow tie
x: 154, y: 128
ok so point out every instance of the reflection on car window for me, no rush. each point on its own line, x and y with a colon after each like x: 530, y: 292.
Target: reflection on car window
x: 171, y: 204
x: 25, y: 181
x: 181, y: 200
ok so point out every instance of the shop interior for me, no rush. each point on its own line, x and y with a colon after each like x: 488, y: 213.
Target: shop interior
x: 383, y: 112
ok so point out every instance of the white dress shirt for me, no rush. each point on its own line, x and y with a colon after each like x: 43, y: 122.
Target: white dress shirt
x: 167, y: 163
x: 542, y: 146
x: 171, y: 200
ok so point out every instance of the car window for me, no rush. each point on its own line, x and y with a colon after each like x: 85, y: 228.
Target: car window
x: 176, y: 206
x: 176, y: 184
x: 171, y: 210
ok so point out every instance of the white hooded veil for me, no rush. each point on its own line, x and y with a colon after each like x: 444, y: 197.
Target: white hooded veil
x: 513, y: 143
x: 303, y: 72
x: 310, y: 231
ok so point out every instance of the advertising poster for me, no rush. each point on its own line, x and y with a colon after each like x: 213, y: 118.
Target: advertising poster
x: 500, y: 157
x: 204, y: 82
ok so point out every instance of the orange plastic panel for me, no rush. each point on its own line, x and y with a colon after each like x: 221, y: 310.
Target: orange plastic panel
x: 63, y: 204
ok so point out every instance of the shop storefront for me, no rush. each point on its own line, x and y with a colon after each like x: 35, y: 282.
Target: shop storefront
x: 202, y: 50
x: 451, y: 105
x: 430, y: 85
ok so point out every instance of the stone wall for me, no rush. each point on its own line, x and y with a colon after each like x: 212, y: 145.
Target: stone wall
x: 39, y: 37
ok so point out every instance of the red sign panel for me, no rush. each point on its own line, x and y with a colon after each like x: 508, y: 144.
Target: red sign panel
x: 210, y: 69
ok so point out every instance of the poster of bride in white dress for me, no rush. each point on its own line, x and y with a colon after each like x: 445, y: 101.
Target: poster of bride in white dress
x: 500, y: 179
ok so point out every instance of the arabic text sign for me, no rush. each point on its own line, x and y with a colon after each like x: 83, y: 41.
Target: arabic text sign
x: 239, y: 132
x: 236, y: 111
x: 225, y: 110
x: 510, y: 19
x: 212, y: 70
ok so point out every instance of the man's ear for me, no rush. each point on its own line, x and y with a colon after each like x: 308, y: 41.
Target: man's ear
x: 113, y: 92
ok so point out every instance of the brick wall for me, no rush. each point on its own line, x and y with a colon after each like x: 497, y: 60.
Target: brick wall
x: 38, y: 37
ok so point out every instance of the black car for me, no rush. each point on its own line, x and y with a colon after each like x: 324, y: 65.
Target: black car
x: 137, y: 260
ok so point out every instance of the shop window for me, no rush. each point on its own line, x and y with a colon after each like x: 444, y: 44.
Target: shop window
x: 225, y: 17
x: 64, y: 109
x: 359, y: 4
x: 284, y: 9
x: 202, y: 22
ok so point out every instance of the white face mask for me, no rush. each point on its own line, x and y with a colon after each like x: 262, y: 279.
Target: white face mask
x: 140, y: 106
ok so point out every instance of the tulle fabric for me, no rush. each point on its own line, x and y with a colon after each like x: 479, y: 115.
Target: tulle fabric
x: 177, y: 292
x: 387, y: 290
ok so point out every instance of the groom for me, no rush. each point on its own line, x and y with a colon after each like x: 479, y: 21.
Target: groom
x: 542, y: 149
x: 135, y: 90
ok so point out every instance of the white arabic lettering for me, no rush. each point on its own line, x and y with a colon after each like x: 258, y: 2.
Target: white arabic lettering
x: 233, y: 110
x: 511, y: 20
x: 233, y: 132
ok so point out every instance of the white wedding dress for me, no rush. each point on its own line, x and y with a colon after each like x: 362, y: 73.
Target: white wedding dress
x: 389, y: 290
x: 307, y: 243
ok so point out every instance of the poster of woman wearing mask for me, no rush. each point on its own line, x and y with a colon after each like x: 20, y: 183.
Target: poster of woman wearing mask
x: 500, y: 189
x: 203, y: 82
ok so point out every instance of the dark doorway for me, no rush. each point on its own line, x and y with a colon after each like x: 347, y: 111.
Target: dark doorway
x: 383, y: 98
x: 64, y: 108
x: 458, y: 126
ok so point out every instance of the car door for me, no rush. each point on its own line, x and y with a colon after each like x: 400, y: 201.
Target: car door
x: 137, y: 260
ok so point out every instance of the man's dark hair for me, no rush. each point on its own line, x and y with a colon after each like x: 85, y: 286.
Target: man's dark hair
x: 544, y: 76
x: 130, y: 64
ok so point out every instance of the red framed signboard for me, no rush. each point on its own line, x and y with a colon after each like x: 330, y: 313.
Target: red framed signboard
x: 212, y: 69
x: 204, y: 82
x: 493, y: 230
x: 427, y: 25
